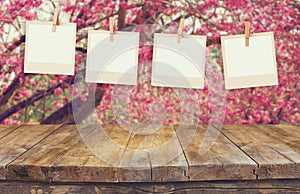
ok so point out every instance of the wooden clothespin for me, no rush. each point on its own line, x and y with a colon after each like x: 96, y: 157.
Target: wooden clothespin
x: 55, y: 19
x: 111, y: 28
x: 247, y: 33
x: 180, y: 30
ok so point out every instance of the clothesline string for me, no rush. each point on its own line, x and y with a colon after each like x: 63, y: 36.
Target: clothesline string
x: 278, y: 35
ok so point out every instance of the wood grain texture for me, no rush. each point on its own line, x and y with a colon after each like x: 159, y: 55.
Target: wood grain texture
x: 174, y: 167
x: 223, y: 160
x: 127, y: 160
x: 82, y: 164
x: 249, y: 186
x: 35, y: 164
x: 275, y: 149
x: 6, y: 129
x: 54, y: 153
x: 19, y: 141
x: 175, y: 170
x: 289, y: 147
x: 157, y: 153
x: 65, y: 157
x: 286, y: 134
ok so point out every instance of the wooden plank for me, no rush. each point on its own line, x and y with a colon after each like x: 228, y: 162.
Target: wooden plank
x: 19, y: 141
x: 6, y: 129
x: 34, y: 165
x: 175, y: 170
x: 289, y: 147
x: 222, y: 161
x: 249, y: 186
x: 65, y: 157
x: 287, y: 134
x: 81, y: 164
x: 153, y: 154
x: 136, y: 156
x: 168, y: 162
x: 135, y: 164
x: 276, y: 159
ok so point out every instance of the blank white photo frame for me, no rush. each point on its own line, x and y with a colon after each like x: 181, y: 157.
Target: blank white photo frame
x: 180, y: 65
x: 251, y: 66
x: 48, y: 52
x: 112, y: 62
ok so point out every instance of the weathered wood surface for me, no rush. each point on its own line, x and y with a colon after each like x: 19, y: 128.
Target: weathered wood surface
x: 54, y: 153
x: 18, y: 141
x: 276, y: 149
x: 34, y: 164
x: 193, y: 187
x: 159, y: 152
x: 221, y: 161
x: 64, y: 157
x: 6, y: 129
x: 80, y: 164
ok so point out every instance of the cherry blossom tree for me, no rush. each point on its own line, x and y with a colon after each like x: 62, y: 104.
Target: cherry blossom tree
x: 37, y: 98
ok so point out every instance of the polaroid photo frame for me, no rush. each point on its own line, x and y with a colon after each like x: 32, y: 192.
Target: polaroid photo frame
x: 180, y: 65
x: 112, y: 62
x: 251, y: 66
x: 48, y: 52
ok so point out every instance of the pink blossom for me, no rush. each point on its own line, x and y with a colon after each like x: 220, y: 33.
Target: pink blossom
x: 152, y: 13
x: 274, y: 104
x: 58, y: 91
x: 25, y: 93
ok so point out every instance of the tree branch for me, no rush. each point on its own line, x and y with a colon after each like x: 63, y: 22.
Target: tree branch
x: 121, y: 17
x: 65, y: 114
x: 10, y: 90
x: 15, y: 44
x: 213, y: 41
x: 80, y: 49
x: 27, y: 102
x: 82, y: 13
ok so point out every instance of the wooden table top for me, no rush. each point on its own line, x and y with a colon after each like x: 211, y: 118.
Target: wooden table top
x: 56, y: 153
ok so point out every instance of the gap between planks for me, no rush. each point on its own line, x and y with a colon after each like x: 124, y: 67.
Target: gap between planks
x: 59, y: 126
x: 211, y: 156
x: 239, y: 149
x: 7, y: 129
x: 274, y: 147
x: 234, y: 145
x: 18, y: 142
x: 184, y: 154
